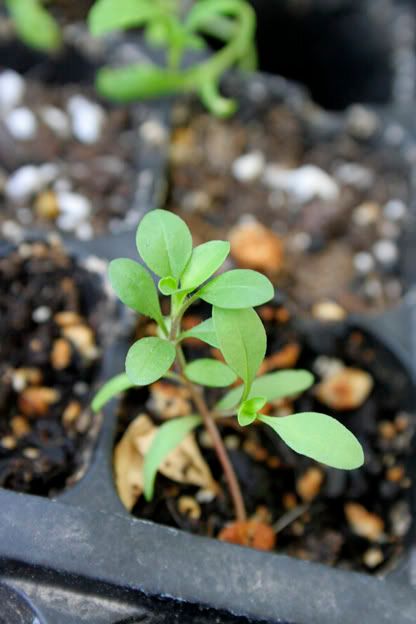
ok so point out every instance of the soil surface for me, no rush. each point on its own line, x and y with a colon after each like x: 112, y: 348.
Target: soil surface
x: 317, y: 202
x: 355, y: 520
x: 49, y: 354
x: 68, y: 161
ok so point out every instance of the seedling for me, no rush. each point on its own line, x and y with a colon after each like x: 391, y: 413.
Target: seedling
x: 168, y: 26
x: 185, y: 274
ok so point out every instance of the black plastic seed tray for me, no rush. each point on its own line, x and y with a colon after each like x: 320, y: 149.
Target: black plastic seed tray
x: 83, y: 558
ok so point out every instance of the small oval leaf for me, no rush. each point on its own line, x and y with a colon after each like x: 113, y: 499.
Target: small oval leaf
x: 34, y: 25
x: 242, y: 340
x: 168, y: 285
x: 320, y: 437
x: 273, y: 386
x: 134, y: 286
x: 148, y: 360
x: 108, y: 15
x: 167, y: 438
x: 164, y: 242
x: 137, y: 81
x: 211, y: 373
x: 205, y: 331
x: 240, y: 288
x: 205, y: 260
x: 247, y: 412
x: 108, y: 391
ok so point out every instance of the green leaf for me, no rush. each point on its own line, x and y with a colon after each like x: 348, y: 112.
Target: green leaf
x: 241, y: 288
x: 148, y: 360
x: 34, y: 25
x: 211, y: 373
x: 168, y: 285
x: 167, y: 438
x: 109, y: 15
x: 138, y: 81
x: 320, y: 437
x: 247, y: 412
x: 205, y: 260
x: 164, y: 242
x: 205, y: 331
x: 273, y: 386
x: 157, y: 33
x: 113, y: 386
x: 134, y: 286
x: 242, y: 341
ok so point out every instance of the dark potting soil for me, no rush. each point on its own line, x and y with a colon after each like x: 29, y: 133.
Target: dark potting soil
x: 49, y: 354
x: 356, y: 520
x: 68, y: 161
x: 320, y: 205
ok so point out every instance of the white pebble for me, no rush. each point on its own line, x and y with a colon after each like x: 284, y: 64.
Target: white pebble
x: 80, y: 388
x: 373, y: 289
x: 326, y: 366
x: 248, y: 167
x: 12, y: 231
x: 394, y: 134
x: 25, y: 215
x: 84, y: 231
x: 95, y: 265
x: 63, y: 185
x: 74, y: 205
x: 48, y: 173
x: 354, y: 175
x: 56, y: 120
x: 153, y: 132
x: 66, y: 223
x: 205, y: 496
x: 361, y: 121
x: 366, y: 214
x: 132, y: 217
x: 87, y: 119
x: 12, y: 89
x: 196, y: 201
x: 21, y: 124
x: 301, y: 241
x: 395, y: 210
x: 386, y: 252
x: 364, y: 262
x: 41, y: 314
x: 303, y: 184
x: 24, y: 183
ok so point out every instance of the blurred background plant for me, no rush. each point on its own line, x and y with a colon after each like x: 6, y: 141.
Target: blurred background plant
x: 171, y: 25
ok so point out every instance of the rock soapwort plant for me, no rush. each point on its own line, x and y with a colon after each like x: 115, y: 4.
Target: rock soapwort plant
x: 168, y: 26
x: 185, y: 275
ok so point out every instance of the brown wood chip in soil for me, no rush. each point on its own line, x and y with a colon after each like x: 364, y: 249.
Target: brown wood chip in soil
x: 330, y: 207
x: 309, y: 500
x: 43, y: 429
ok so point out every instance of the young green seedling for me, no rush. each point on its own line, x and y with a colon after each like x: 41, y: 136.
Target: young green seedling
x: 164, y: 243
x: 167, y: 26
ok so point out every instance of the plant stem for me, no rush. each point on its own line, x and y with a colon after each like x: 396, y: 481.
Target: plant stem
x: 221, y: 451
x: 178, y: 317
